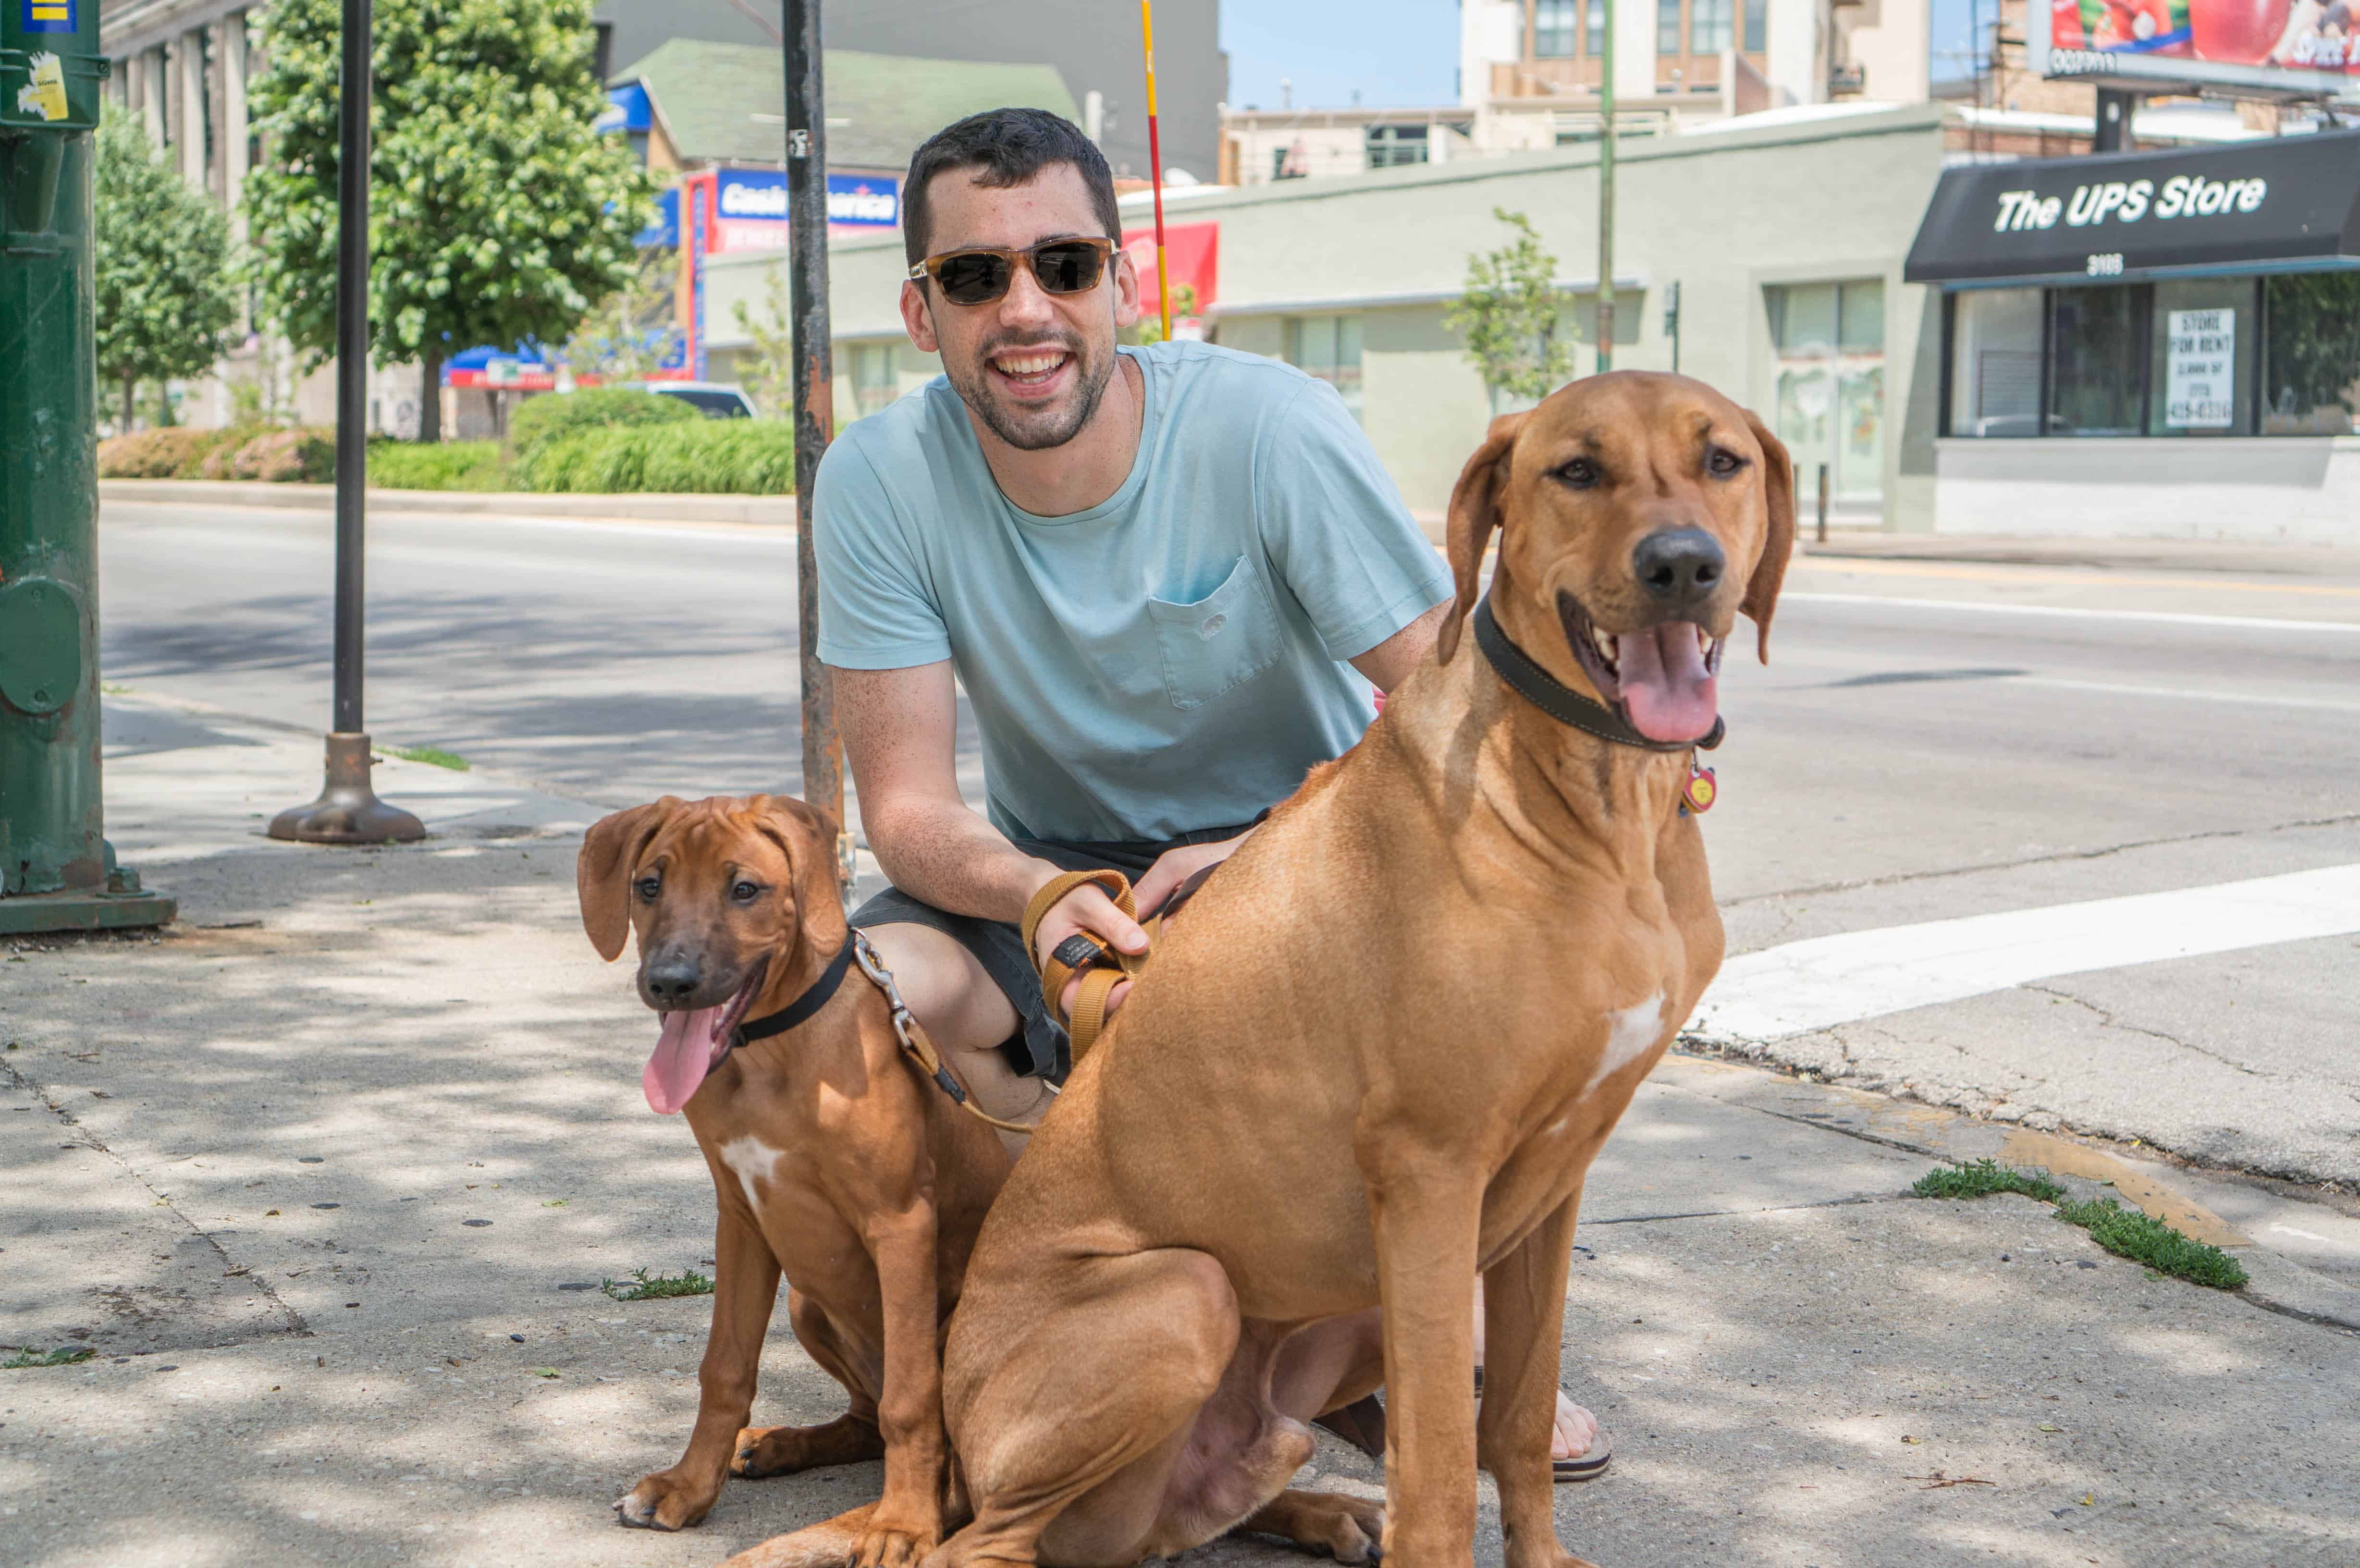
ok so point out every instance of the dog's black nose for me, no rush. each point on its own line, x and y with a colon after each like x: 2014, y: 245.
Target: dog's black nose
x: 672, y: 981
x: 1678, y: 566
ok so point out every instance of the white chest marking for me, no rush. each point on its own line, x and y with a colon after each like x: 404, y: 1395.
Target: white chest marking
x: 1629, y: 1031
x: 754, y: 1161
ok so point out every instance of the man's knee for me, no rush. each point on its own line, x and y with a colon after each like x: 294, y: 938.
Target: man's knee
x: 944, y: 984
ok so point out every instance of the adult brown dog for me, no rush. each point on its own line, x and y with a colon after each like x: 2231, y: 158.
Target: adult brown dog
x: 832, y: 1159
x: 1381, y: 1049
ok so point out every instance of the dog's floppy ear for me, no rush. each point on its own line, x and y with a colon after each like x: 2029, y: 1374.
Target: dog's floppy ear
x: 1474, y: 512
x: 1778, y: 488
x: 807, y: 836
x: 602, y: 872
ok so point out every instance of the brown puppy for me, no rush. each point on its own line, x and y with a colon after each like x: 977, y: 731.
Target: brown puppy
x: 1381, y: 1050
x: 832, y: 1159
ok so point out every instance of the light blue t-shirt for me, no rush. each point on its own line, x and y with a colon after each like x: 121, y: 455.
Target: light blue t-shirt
x: 1165, y: 662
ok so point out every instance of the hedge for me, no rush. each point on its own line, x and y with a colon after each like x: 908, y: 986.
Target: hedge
x: 452, y: 465
x: 178, y: 452
x: 540, y: 421
x: 732, y: 457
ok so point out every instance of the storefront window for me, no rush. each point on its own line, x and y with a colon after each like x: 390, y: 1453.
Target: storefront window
x: 1758, y: 18
x: 1830, y: 393
x: 1996, y: 361
x: 2201, y: 351
x: 1330, y: 348
x: 2095, y: 362
x: 2311, y: 379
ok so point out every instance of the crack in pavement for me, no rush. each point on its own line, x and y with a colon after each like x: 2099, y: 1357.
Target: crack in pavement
x: 1901, y: 878
x: 2108, y: 1020
x: 294, y: 1320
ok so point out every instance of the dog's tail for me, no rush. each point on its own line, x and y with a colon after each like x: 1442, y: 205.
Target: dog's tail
x: 831, y: 1543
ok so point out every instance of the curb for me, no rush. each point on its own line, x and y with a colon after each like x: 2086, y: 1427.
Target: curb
x: 775, y: 511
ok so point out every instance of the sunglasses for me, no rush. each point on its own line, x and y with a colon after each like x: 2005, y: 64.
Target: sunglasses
x: 979, y: 276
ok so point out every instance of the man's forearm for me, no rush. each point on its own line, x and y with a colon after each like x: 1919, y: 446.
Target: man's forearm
x: 944, y: 854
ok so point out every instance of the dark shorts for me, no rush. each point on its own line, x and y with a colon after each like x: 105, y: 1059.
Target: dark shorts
x: 1039, y: 1048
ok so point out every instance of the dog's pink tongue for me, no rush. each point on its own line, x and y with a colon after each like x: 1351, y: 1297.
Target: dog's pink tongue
x: 1667, y: 690
x: 683, y: 1055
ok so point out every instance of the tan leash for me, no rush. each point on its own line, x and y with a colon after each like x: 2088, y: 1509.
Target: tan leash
x: 916, y: 1043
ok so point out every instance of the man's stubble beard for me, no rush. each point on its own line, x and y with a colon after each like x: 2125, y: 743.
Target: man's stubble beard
x: 1047, y: 428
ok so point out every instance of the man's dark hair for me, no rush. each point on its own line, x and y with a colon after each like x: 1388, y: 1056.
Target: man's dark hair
x: 1009, y: 146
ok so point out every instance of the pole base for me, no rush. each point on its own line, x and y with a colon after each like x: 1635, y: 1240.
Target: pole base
x: 34, y: 913
x: 347, y: 810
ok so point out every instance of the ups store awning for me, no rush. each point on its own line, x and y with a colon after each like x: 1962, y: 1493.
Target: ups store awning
x: 2284, y: 204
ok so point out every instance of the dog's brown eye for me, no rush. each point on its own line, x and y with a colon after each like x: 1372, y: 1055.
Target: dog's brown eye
x: 1581, y: 474
x: 745, y: 892
x: 648, y: 886
x: 1724, y: 464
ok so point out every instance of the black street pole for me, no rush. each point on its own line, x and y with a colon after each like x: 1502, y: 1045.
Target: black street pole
x: 348, y: 810
x: 815, y: 389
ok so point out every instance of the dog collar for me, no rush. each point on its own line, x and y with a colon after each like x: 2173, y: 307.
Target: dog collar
x: 1562, y: 703
x: 802, y: 1010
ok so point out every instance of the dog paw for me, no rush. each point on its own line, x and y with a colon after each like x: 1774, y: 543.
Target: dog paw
x: 665, y: 1501
x: 889, y: 1545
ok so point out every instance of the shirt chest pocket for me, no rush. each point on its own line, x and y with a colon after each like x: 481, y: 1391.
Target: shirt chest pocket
x: 1219, y: 641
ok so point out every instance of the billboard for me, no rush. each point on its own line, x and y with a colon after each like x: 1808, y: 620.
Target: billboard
x: 1194, y: 250
x: 2284, y: 49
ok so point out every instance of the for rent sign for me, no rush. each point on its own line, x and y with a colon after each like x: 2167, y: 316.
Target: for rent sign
x: 2200, y: 369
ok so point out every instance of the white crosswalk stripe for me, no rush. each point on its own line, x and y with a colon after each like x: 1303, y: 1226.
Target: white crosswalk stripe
x: 1830, y: 980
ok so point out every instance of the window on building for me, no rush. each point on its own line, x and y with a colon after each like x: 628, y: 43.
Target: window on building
x: 1709, y: 25
x: 2310, y: 365
x: 1593, y: 31
x: 1668, y: 27
x: 1553, y: 28
x: 1330, y: 348
x: 2188, y: 357
x: 1393, y: 146
x: 875, y: 384
x: 2097, y: 360
x: 1757, y: 27
x: 1996, y: 361
x: 1830, y: 393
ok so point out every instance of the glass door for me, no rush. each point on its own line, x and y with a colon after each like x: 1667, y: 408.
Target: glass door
x: 1828, y: 385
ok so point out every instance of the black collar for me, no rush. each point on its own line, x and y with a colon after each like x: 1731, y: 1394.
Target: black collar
x: 803, y: 1008
x: 1561, y: 702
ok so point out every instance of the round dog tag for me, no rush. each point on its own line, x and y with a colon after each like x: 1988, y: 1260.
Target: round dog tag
x: 1702, y: 790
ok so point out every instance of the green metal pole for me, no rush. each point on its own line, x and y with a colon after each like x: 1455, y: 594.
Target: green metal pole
x: 1606, y: 197
x: 56, y: 872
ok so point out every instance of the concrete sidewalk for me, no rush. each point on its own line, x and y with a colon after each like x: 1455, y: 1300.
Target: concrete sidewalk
x: 329, y: 1174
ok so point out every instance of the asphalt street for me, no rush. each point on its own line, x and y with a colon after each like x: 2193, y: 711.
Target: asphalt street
x: 2062, y: 843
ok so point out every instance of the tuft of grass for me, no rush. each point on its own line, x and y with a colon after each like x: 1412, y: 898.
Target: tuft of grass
x: 433, y: 755
x: 66, y: 1355
x: 2143, y: 1238
x: 1981, y: 1178
x: 443, y: 465
x: 643, y: 1286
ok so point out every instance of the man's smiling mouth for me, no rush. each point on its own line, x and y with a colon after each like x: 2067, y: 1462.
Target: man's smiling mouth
x: 1032, y: 366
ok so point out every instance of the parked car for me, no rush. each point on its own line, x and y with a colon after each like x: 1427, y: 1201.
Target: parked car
x: 713, y: 399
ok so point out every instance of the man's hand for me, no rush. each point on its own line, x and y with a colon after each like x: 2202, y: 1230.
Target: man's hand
x: 1175, y: 866
x: 1088, y: 909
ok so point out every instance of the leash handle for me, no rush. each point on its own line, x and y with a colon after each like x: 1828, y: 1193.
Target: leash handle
x: 1091, y: 955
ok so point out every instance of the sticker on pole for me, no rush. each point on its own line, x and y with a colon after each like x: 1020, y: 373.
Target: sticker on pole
x: 45, y: 94
x: 49, y: 16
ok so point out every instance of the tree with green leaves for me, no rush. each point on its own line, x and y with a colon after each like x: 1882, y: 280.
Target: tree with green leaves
x: 768, y: 367
x: 166, y: 303
x: 631, y: 333
x: 497, y: 215
x: 1511, y: 316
